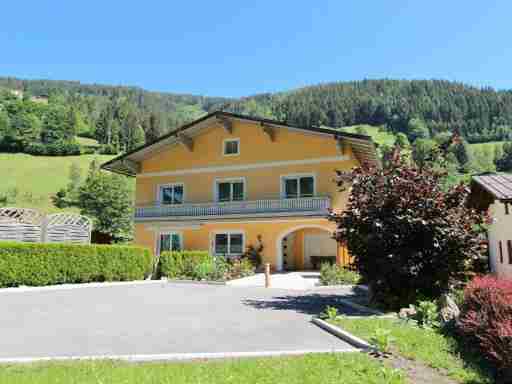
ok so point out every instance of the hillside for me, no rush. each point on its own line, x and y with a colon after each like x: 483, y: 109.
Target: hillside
x: 478, y: 114
x: 29, y: 181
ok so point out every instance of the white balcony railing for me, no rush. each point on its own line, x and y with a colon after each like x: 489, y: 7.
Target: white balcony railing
x: 280, y: 207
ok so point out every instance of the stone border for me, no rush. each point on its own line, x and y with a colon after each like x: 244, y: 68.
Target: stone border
x: 206, y: 282
x: 343, y: 286
x: 174, y: 356
x: 342, y: 334
x: 66, y: 287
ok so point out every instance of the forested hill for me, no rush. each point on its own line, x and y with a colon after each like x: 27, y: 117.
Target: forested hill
x: 45, y: 116
x: 479, y: 114
x: 40, y: 114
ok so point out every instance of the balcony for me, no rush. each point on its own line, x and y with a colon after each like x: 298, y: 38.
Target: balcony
x: 306, y: 206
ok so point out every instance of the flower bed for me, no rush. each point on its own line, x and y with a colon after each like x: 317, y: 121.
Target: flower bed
x: 200, y: 265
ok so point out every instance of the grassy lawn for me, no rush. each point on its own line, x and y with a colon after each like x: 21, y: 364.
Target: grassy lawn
x: 325, y: 368
x: 428, y: 346
x: 36, y: 178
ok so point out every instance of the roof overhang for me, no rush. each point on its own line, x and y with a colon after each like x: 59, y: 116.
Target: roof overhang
x: 363, y: 147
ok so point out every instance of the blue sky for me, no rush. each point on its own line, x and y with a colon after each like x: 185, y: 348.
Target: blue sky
x: 236, y: 48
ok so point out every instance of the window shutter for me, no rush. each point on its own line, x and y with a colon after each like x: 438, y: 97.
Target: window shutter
x: 500, y: 247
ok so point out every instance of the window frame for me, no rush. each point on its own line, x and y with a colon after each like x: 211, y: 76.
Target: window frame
x: 230, y: 180
x: 224, y: 146
x: 170, y: 233
x: 229, y: 233
x: 297, y: 176
x: 159, y: 192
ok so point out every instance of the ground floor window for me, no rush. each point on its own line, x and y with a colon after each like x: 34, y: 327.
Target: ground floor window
x: 170, y: 241
x: 229, y: 244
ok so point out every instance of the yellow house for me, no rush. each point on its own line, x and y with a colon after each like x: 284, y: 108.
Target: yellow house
x: 225, y: 182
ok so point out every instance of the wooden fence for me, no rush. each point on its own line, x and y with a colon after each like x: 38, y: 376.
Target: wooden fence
x: 30, y: 225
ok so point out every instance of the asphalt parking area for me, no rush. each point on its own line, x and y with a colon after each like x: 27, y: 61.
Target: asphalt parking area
x: 163, y: 318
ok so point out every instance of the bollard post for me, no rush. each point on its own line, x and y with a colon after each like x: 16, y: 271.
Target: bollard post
x: 267, y: 275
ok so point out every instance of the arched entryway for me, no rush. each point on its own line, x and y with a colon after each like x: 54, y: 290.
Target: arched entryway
x: 300, y: 247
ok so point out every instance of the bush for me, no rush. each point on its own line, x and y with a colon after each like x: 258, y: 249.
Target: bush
x: 46, y: 264
x: 410, y: 238
x: 337, y: 275
x: 200, y: 265
x: 182, y: 264
x: 59, y: 148
x: 486, y: 317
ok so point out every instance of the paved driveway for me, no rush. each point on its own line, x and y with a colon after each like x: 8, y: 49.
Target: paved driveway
x: 162, y: 318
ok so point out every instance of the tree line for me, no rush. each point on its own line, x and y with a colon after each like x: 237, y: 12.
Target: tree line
x: 45, y: 117
x: 478, y: 114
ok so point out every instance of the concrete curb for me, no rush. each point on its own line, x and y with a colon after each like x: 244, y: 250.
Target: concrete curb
x: 342, y: 334
x: 66, y: 287
x: 205, y: 282
x: 346, y: 286
x: 173, y: 356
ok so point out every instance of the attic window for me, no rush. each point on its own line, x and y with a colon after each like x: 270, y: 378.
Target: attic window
x: 231, y: 147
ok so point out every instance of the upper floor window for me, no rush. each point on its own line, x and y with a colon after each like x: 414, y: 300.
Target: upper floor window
x: 231, y: 147
x: 230, y: 190
x: 171, y: 194
x: 294, y: 187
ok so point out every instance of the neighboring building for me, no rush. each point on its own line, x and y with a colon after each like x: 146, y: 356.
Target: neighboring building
x: 227, y: 181
x: 493, y: 192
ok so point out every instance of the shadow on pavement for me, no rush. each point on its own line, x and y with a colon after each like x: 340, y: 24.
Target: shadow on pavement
x: 311, y: 304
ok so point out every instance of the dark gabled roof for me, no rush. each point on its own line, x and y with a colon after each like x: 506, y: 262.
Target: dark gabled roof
x: 363, y: 146
x: 499, y: 185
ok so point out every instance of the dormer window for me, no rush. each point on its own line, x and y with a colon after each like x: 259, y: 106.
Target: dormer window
x: 231, y: 147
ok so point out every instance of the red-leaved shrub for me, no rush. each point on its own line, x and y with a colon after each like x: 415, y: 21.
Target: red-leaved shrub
x: 486, y: 316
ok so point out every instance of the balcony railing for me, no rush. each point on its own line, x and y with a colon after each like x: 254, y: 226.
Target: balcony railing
x: 308, y: 206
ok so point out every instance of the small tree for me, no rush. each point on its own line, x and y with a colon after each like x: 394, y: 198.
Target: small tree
x: 408, y: 237
x: 108, y: 199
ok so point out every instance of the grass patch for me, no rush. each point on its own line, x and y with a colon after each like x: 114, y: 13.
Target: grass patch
x: 87, y: 142
x: 428, y: 346
x: 34, y: 179
x: 378, y: 135
x: 344, y: 368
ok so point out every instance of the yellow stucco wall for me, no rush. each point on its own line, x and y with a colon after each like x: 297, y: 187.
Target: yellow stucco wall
x: 270, y: 231
x: 260, y: 183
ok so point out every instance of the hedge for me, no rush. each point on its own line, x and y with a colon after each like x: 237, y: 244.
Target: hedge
x: 176, y: 264
x: 36, y: 264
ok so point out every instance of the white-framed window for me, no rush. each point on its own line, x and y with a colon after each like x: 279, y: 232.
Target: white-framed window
x: 230, y: 189
x: 171, y: 193
x: 228, y: 244
x: 231, y: 147
x: 296, y: 186
x: 170, y: 241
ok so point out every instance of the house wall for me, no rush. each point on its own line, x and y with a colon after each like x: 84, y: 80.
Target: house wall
x: 271, y: 233
x: 500, y: 230
x: 198, y: 170
x: 255, y: 150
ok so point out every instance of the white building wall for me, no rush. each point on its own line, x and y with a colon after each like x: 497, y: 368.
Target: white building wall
x: 500, y: 230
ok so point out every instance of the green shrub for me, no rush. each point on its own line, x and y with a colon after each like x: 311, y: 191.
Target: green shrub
x: 427, y: 314
x: 337, y: 275
x: 37, y: 264
x: 200, y: 265
x: 182, y: 264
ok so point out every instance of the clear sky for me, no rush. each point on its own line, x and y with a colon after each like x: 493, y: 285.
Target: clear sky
x: 236, y: 48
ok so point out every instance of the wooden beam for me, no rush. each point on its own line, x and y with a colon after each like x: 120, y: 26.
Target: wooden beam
x: 186, y: 141
x: 269, y: 131
x: 131, y: 165
x: 226, y: 123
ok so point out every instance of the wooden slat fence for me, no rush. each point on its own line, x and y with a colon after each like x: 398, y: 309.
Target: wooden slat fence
x: 29, y: 225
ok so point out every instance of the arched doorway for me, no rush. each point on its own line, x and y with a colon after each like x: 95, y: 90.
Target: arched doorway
x: 300, y: 247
